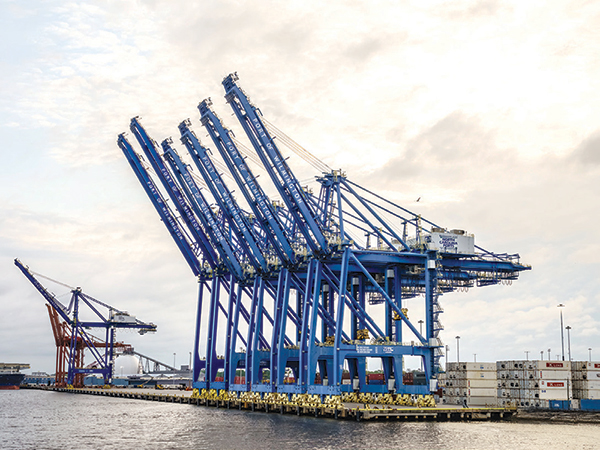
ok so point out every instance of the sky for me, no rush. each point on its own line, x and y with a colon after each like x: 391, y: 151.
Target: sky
x: 483, y: 109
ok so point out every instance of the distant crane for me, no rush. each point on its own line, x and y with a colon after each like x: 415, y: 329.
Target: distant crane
x: 71, y: 334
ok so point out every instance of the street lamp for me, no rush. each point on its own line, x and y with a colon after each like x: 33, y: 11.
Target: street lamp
x: 457, y: 349
x: 562, y: 335
x: 447, y: 351
x: 527, y: 355
x: 569, y: 340
x: 474, y: 357
x: 590, y: 350
x: 542, y: 355
x: 174, y: 359
x: 549, y: 355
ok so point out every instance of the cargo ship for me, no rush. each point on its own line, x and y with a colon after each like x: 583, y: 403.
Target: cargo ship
x: 10, y: 376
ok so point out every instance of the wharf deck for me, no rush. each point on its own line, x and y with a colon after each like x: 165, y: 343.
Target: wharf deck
x: 351, y: 411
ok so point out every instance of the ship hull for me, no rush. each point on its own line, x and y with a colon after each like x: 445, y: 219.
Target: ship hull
x: 11, y: 380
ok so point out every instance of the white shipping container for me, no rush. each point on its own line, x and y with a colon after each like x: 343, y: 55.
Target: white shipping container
x: 590, y: 375
x: 481, y: 375
x: 506, y: 365
x: 590, y: 384
x: 477, y: 366
x: 482, y: 401
x: 502, y: 365
x: 586, y: 365
x: 553, y: 394
x: 592, y: 394
x: 482, y: 392
x: 504, y: 393
x: 553, y: 374
x: 553, y: 384
x: 540, y: 404
x: 452, y: 367
x: 531, y: 384
x: 526, y: 403
x: 550, y: 365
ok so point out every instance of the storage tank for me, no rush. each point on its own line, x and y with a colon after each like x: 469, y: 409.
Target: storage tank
x: 126, y: 366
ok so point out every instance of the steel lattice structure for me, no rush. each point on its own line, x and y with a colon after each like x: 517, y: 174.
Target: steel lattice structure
x: 286, y: 283
x: 72, y: 335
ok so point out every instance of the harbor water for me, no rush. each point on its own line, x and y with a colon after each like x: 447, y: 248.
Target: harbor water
x: 34, y: 419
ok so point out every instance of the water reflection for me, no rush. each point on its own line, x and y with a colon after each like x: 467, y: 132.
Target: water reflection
x: 50, y: 420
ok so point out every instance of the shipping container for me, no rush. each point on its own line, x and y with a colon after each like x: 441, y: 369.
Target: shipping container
x: 588, y: 375
x: 553, y: 374
x: 476, y: 366
x: 564, y: 405
x: 481, y: 401
x: 586, y: 384
x: 482, y: 392
x: 481, y: 375
x: 590, y: 404
x: 586, y: 365
x: 575, y: 403
x: 551, y: 365
x: 586, y: 393
x: 553, y: 394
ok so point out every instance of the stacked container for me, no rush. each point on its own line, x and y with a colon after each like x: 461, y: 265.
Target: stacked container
x: 585, y: 377
x: 470, y: 384
x: 531, y: 384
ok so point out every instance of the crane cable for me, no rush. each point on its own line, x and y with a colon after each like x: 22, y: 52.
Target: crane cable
x: 297, y: 148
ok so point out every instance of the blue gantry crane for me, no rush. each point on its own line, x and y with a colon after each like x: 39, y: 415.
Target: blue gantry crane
x: 304, y: 293
x: 97, y: 316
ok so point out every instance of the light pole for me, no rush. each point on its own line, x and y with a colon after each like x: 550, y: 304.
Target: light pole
x: 447, y: 358
x: 474, y: 357
x: 190, y: 366
x: 562, y: 334
x: 527, y: 355
x: 549, y: 355
x: 569, y: 340
x: 542, y: 355
x: 174, y: 359
x: 457, y: 349
x: 590, y: 350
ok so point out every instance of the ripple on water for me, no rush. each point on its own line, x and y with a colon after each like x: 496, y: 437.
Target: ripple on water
x: 31, y: 419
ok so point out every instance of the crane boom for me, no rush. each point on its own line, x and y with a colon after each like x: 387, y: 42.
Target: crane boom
x: 150, y: 149
x: 245, y: 179
x: 222, y: 195
x: 284, y: 179
x: 165, y: 213
x: 202, y: 209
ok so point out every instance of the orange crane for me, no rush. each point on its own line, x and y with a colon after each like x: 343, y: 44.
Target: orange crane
x: 62, y: 338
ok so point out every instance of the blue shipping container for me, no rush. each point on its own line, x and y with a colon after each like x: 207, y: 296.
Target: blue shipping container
x: 590, y: 405
x: 560, y: 404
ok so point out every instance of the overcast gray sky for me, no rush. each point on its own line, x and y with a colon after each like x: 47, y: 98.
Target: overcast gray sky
x: 487, y: 110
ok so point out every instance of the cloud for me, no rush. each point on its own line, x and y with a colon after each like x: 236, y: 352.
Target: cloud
x: 588, y: 152
x: 485, y: 118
